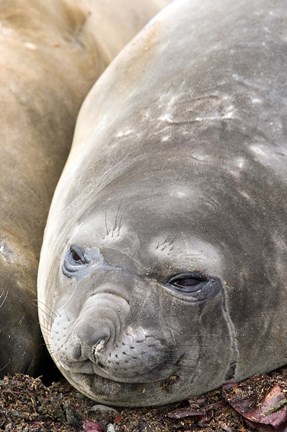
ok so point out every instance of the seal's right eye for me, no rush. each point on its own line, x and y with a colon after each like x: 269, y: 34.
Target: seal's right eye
x: 75, y: 260
x: 77, y: 255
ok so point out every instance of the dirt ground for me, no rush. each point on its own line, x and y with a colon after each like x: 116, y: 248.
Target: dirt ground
x: 259, y: 403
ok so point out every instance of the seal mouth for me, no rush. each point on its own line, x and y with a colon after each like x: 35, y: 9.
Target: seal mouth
x: 158, y: 372
x: 106, y: 390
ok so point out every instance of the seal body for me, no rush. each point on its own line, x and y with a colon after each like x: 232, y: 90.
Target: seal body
x: 50, y: 57
x: 163, y: 268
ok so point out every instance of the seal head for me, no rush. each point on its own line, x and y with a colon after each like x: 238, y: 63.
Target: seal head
x: 132, y: 314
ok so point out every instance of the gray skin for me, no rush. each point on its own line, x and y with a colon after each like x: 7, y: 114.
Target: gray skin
x: 163, y: 268
x: 50, y: 56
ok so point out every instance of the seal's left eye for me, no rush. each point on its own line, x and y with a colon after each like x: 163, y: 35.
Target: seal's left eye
x: 194, y: 286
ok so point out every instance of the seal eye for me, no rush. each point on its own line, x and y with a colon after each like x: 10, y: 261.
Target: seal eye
x: 77, y: 255
x: 75, y: 260
x: 194, y: 286
x: 189, y: 282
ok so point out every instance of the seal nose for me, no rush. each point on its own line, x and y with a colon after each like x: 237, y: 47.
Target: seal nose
x: 91, y: 343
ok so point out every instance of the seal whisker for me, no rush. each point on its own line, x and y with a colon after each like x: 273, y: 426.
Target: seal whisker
x: 50, y: 348
x: 4, y: 367
x: 47, y: 309
x: 4, y: 299
x: 116, y: 217
x: 45, y: 327
x: 106, y: 221
x: 121, y: 218
x: 167, y: 243
x: 3, y: 293
x: 69, y: 299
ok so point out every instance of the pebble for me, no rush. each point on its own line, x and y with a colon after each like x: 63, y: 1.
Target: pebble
x: 103, y: 409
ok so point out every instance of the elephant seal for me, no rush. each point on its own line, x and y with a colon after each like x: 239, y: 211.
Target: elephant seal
x: 163, y: 268
x: 51, y: 54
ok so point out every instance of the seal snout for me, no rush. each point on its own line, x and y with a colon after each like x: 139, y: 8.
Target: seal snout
x: 129, y: 359
x: 109, y: 340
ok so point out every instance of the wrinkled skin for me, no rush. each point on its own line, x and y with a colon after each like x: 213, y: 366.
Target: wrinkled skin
x: 50, y: 57
x: 163, y: 268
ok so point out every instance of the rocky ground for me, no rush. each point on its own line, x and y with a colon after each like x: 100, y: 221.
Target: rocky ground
x: 259, y: 404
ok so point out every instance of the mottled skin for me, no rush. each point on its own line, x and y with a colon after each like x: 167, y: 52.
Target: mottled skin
x: 49, y: 58
x: 163, y: 268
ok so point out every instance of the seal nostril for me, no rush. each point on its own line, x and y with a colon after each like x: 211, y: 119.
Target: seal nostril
x: 77, y: 351
x: 98, y: 347
x: 90, y: 342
